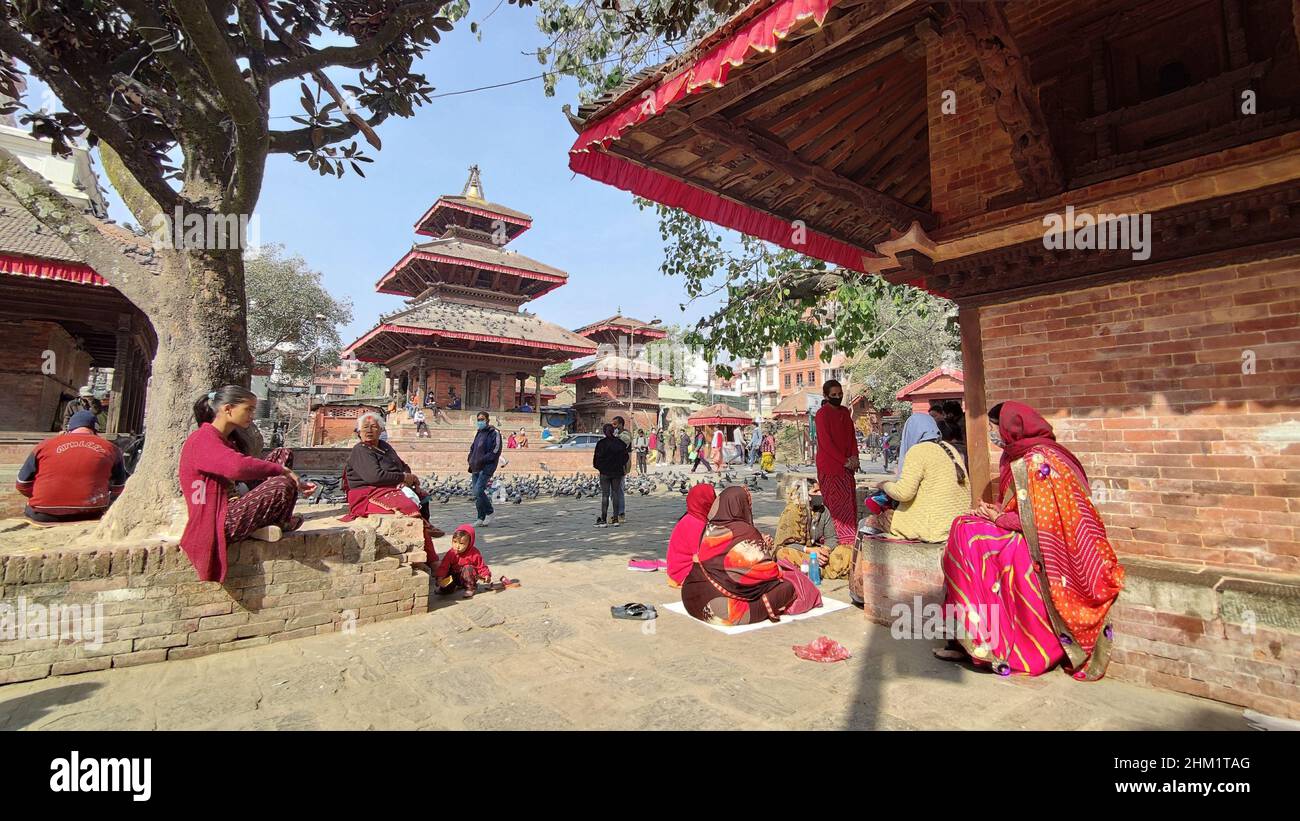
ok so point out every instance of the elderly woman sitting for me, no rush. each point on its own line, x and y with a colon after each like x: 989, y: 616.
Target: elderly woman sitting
x: 379, y: 482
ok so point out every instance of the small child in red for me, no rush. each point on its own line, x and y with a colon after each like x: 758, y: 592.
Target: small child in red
x: 462, y: 564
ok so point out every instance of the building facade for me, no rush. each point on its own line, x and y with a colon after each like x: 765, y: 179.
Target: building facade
x: 1111, y: 196
x: 619, y: 380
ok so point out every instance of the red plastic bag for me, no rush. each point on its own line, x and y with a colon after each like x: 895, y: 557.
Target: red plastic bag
x: 822, y: 649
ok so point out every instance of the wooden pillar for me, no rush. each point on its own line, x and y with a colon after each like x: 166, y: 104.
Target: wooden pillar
x: 121, y: 358
x: 977, y: 428
x: 537, y: 406
x: 501, y: 392
x: 126, y: 416
x: 137, y: 391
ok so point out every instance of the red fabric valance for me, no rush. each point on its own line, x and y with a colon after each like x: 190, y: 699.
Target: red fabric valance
x: 719, y: 420
x: 761, y: 35
x: 51, y: 269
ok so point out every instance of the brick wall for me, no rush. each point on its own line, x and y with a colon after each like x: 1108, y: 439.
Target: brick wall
x: 31, y: 396
x: 970, y: 153
x: 1191, y: 459
x: 154, y: 608
x: 1213, y: 634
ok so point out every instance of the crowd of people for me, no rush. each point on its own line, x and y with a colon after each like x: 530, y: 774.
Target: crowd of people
x: 1038, y: 553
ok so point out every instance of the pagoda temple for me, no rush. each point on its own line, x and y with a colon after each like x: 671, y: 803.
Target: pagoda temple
x: 618, y: 381
x: 463, y: 332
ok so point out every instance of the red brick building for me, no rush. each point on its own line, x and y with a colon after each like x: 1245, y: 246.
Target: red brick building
x: 1111, y: 195
x: 937, y: 385
x: 618, y: 381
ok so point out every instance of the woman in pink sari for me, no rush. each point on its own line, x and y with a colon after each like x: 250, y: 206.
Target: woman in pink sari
x: 1031, y: 581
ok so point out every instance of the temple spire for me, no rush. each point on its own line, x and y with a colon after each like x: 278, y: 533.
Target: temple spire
x: 473, y: 186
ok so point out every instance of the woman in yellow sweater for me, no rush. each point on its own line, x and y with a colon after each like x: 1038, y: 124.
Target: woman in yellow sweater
x: 932, y: 489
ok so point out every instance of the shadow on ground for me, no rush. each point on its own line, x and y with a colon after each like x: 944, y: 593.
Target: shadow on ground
x: 26, y: 710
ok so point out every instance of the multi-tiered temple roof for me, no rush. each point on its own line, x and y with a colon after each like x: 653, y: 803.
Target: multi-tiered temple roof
x: 463, y: 324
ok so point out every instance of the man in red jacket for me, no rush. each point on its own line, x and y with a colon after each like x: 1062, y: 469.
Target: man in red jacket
x: 837, y: 462
x: 72, y: 476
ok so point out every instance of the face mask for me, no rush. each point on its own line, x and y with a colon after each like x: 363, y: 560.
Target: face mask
x: 996, y: 439
x: 481, y: 424
x: 835, y: 400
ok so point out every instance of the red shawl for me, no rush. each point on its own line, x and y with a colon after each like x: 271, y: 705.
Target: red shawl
x: 209, y: 465
x: 742, y: 578
x: 1022, y: 428
x: 686, y: 533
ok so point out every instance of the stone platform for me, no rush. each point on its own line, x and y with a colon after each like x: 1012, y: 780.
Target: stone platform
x: 322, y: 578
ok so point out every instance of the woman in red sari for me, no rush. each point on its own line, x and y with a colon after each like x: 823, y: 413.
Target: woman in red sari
x: 734, y: 579
x: 1032, y: 580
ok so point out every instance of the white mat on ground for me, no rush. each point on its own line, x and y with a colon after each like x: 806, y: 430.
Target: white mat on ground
x: 829, y: 605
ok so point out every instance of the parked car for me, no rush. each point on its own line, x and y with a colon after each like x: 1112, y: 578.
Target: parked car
x: 581, y: 440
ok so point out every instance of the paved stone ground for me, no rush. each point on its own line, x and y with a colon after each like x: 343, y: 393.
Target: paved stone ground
x: 547, y: 655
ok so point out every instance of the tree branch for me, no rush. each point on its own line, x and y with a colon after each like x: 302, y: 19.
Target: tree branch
x: 240, y: 102
x: 93, y: 112
x: 300, y: 139
x: 362, y: 54
x: 66, y: 221
x: 137, y: 199
x: 154, y: 30
x: 324, y: 81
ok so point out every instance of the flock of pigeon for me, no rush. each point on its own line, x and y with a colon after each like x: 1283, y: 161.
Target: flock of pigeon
x: 515, y: 489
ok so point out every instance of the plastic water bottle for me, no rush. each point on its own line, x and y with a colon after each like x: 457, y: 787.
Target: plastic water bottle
x: 815, y: 570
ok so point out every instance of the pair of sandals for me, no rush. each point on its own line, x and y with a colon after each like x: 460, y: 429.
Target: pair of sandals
x: 634, y: 611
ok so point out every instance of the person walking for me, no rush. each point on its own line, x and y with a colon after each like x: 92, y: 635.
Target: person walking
x: 755, y: 445
x: 716, y: 452
x: 697, y: 454
x: 642, y: 446
x: 484, y: 455
x: 684, y: 447
x: 610, y: 459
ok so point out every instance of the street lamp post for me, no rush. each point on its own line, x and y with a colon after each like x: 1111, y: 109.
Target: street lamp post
x: 631, y: 377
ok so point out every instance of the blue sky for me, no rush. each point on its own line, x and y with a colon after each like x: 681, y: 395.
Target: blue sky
x: 352, y: 229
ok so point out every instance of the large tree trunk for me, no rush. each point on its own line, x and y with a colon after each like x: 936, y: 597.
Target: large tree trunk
x: 202, y: 345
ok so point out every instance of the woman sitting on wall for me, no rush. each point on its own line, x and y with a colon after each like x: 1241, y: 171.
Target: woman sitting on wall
x: 932, y: 491
x: 1036, y: 570
x: 378, y: 482
x: 212, y: 462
